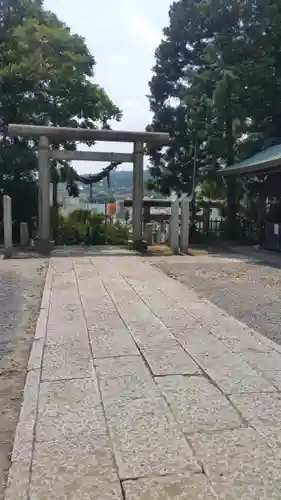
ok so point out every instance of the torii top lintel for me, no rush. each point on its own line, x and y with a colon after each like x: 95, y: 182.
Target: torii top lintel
x: 81, y: 134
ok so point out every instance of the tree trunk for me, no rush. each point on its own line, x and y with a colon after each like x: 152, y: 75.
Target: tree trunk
x: 231, y: 189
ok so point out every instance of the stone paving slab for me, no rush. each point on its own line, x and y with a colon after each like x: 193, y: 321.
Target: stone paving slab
x: 232, y: 374
x: 107, y: 341
x: 198, y: 405
x: 147, y: 440
x: 236, y: 490
x: 260, y: 409
x: 68, y: 408
x: 240, y: 454
x: 180, y: 487
x: 125, y: 378
x: 67, y: 360
x: 169, y: 358
x: 137, y: 388
x: 73, y: 468
x: 263, y: 361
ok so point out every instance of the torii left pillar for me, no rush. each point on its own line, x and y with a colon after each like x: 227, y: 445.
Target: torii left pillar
x: 44, y: 215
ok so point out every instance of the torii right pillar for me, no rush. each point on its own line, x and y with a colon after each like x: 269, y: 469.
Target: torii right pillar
x: 137, y: 218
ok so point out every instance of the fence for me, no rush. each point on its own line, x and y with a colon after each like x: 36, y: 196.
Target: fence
x: 248, y: 232
x: 216, y: 231
x: 272, y: 236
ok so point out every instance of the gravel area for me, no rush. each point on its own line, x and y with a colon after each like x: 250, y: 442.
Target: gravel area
x: 21, y: 287
x: 251, y: 292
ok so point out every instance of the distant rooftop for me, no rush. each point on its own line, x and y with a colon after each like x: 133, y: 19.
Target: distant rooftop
x: 267, y: 160
x: 150, y: 202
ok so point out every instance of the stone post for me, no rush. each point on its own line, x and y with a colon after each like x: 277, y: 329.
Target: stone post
x: 44, y: 191
x: 137, y: 194
x: 148, y: 233
x: 146, y: 214
x: 153, y: 233
x: 166, y: 232
x: 158, y: 235
x: 174, y: 227
x: 185, y: 223
x: 24, y: 234
x: 8, y: 227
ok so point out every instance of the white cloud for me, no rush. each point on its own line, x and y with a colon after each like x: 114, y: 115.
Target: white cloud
x: 130, y: 103
x: 122, y: 37
x: 119, y: 59
x: 146, y: 33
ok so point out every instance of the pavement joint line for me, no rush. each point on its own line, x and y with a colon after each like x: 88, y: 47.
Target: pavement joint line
x: 164, y: 474
x: 185, y: 375
x: 121, y: 356
x: 65, y: 379
x: 243, y: 393
x: 99, y: 388
x: 218, y: 431
x: 117, y: 357
x: 127, y: 327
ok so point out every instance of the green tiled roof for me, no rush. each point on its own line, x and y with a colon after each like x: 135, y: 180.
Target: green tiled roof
x: 269, y: 158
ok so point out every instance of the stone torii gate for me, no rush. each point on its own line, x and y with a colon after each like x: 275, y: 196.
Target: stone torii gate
x: 46, y: 133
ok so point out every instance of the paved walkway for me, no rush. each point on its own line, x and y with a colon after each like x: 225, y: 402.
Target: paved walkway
x: 138, y: 389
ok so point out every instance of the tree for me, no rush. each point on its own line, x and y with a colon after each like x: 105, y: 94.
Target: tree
x: 211, y: 83
x: 180, y: 94
x: 46, y: 76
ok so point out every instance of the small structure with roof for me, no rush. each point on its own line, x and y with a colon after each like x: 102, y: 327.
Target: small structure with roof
x: 265, y: 167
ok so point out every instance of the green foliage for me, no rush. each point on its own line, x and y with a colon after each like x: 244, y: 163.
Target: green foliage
x: 46, y: 78
x: 82, y: 227
x: 111, y: 199
x: 85, y: 217
x: 116, y: 233
x: 217, y: 79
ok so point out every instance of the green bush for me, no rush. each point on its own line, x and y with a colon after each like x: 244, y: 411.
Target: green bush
x: 82, y: 227
x: 116, y: 233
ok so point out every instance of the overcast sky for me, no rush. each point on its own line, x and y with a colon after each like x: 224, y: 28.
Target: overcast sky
x: 122, y: 35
